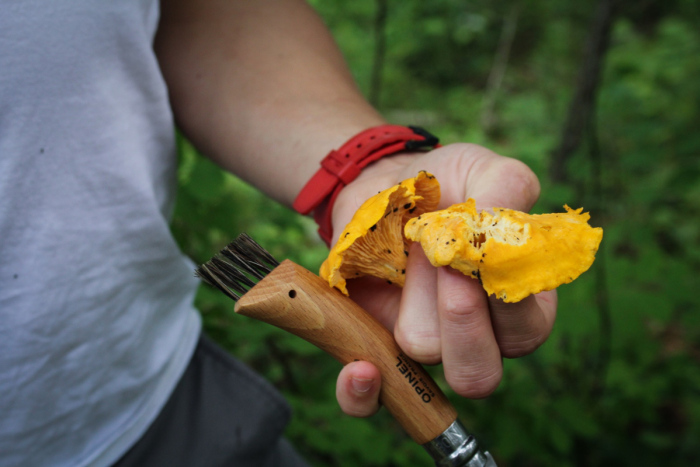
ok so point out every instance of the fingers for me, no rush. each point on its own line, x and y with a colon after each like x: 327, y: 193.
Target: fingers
x: 469, y: 332
x: 497, y: 181
x: 417, y: 329
x: 520, y: 328
x: 470, y: 353
x: 442, y: 314
x: 357, y: 389
x: 377, y: 297
x: 472, y: 171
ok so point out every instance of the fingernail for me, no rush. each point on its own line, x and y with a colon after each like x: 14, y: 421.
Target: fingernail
x: 361, y: 385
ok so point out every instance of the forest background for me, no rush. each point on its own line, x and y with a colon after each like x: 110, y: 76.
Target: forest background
x: 602, y: 100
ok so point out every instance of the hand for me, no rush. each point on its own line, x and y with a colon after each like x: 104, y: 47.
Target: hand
x: 442, y: 315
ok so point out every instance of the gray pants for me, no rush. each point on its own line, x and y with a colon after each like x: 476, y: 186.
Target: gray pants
x: 221, y: 414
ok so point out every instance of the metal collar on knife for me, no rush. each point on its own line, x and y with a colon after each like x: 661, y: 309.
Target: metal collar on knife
x: 455, y: 447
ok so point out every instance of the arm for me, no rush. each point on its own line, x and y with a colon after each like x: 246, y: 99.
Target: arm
x: 261, y: 88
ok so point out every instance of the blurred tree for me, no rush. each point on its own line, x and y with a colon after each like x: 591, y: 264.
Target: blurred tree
x: 498, y: 69
x: 582, y: 105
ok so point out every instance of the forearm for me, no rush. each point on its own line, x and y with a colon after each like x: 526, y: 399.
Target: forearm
x: 260, y: 87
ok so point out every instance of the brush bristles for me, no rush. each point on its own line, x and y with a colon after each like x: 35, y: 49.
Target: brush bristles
x: 237, y: 267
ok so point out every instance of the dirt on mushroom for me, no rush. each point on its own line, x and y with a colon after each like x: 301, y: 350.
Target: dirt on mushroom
x: 511, y: 253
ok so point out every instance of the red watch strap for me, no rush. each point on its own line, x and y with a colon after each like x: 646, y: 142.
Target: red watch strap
x: 342, y: 166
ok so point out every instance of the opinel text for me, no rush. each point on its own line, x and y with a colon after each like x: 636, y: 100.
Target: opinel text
x: 412, y: 377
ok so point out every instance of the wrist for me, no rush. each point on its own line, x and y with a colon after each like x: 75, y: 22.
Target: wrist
x: 343, y: 166
x: 378, y: 176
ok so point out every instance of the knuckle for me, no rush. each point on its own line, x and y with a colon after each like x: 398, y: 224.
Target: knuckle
x: 522, y: 179
x: 457, y: 310
x: 360, y: 406
x: 521, y: 347
x: 422, y: 346
x: 475, y: 385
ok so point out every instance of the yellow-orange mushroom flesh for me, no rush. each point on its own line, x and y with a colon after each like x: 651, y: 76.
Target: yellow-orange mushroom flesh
x: 511, y: 253
x: 373, y: 244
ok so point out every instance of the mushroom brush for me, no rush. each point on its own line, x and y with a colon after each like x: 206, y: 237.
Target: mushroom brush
x: 294, y: 299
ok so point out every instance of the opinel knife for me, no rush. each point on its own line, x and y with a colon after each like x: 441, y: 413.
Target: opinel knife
x: 292, y: 298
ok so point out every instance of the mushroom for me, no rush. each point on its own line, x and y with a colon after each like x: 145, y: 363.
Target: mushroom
x: 373, y: 242
x: 511, y: 253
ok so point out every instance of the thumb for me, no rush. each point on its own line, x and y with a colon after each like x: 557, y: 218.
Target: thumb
x: 357, y: 389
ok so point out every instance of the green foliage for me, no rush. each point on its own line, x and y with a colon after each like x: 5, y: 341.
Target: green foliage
x: 618, y: 382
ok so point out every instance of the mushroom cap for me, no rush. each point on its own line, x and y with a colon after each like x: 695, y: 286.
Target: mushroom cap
x: 511, y: 253
x: 373, y: 242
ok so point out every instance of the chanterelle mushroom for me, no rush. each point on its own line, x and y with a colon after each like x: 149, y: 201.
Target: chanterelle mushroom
x: 511, y: 253
x: 373, y: 242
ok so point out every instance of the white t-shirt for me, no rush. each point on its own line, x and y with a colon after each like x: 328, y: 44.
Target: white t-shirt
x: 96, y: 316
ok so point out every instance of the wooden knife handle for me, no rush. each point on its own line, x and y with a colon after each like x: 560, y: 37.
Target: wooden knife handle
x: 298, y: 301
